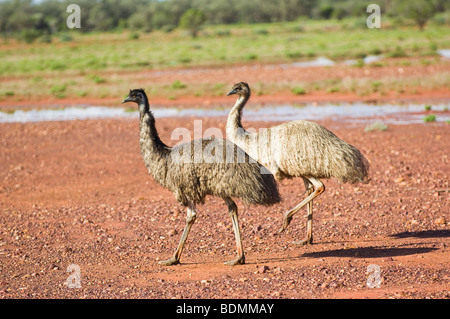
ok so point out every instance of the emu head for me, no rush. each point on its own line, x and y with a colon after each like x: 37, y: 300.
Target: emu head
x: 137, y: 95
x: 240, y: 88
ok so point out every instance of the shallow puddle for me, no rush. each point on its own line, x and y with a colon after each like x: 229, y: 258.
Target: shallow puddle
x: 348, y: 113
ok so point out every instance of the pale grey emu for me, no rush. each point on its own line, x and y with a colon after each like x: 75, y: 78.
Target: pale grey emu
x: 297, y: 149
x: 210, y: 166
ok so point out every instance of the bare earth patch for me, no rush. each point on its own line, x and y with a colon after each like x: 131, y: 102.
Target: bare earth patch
x: 77, y: 192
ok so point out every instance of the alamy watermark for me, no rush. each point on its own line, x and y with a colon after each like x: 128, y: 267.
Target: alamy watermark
x: 74, y: 279
x: 374, y: 19
x: 74, y: 20
x: 210, y: 146
x: 374, y: 278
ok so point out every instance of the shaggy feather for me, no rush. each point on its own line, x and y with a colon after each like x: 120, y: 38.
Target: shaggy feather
x: 211, y: 166
x: 297, y: 148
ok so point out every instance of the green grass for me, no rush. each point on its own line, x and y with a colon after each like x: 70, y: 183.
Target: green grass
x: 100, y: 64
x: 298, y: 90
x: 259, y: 42
x: 429, y: 118
x: 58, y: 90
x: 178, y: 85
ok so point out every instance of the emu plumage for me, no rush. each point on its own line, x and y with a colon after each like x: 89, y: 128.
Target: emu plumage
x: 209, y: 166
x: 297, y: 149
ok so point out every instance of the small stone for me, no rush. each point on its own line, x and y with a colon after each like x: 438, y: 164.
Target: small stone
x: 172, y: 232
x: 440, y: 221
x: 263, y: 269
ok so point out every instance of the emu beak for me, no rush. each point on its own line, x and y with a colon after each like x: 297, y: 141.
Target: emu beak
x: 234, y: 91
x: 128, y: 99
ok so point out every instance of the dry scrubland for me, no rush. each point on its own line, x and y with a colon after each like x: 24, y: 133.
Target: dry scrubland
x: 97, y: 67
x: 77, y: 192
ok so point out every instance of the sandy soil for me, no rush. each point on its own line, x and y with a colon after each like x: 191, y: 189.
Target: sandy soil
x: 78, y: 193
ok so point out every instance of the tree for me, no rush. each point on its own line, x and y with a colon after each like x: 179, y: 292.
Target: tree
x: 418, y: 10
x: 192, y: 20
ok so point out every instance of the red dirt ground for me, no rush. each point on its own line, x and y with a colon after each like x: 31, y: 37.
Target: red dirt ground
x: 77, y: 192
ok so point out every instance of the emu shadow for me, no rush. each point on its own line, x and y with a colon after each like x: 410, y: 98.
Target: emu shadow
x: 369, y: 252
x: 424, y: 234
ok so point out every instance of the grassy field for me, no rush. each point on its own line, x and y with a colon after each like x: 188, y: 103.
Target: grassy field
x: 89, y: 65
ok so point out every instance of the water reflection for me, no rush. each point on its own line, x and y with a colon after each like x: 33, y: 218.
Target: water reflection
x: 349, y: 112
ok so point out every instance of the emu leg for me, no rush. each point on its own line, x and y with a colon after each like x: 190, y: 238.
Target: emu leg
x: 190, y: 219
x: 308, y: 239
x: 232, y: 209
x: 319, y: 188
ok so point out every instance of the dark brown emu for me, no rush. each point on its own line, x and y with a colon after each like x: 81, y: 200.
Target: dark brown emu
x: 297, y: 149
x: 208, y: 166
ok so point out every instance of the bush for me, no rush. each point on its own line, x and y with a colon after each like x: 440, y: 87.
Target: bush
x: 251, y: 56
x: 133, y: 36
x: 178, y: 85
x: 58, y: 90
x: 429, y: 118
x: 294, y: 55
x: 261, y: 31
x: 223, y: 33
x: 65, y: 37
x: 397, y: 53
x: 168, y: 28
x: 29, y: 35
x: 420, y: 11
x: 192, y: 20
x: 377, y: 126
x: 298, y: 90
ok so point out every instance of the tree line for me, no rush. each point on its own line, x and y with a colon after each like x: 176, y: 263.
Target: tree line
x: 22, y: 18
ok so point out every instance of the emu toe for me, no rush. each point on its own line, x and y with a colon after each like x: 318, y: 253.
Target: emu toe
x: 237, y: 261
x: 306, y: 241
x: 286, y: 223
x: 170, y: 262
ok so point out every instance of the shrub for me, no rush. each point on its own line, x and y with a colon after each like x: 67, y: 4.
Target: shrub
x: 397, y: 53
x: 65, y: 37
x: 58, y: 90
x: 377, y: 126
x: 251, y: 56
x: 178, y: 85
x: 134, y: 36
x: 29, y: 35
x: 261, y: 31
x: 192, y: 20
x: 429, y: 118
x: 298, y: 90
x: 223, y: 33
x: 294, y: 55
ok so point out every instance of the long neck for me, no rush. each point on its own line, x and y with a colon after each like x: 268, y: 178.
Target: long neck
x: 234, y: 125
x: 154, y: 152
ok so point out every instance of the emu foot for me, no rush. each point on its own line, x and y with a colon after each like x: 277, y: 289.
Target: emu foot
x: 306, y: 241
x: 238, y: 261
x: 170, y: 262
x: 286, y: 223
